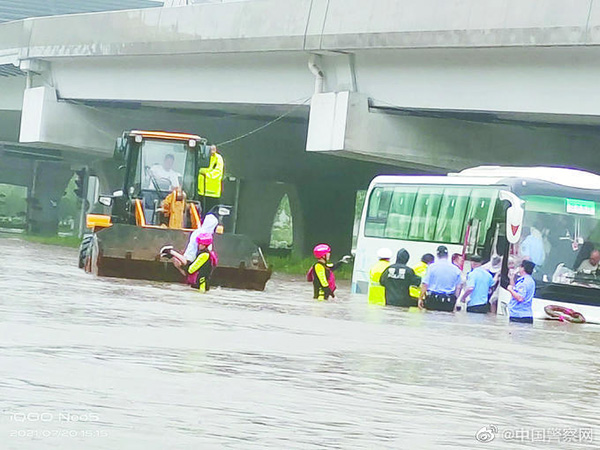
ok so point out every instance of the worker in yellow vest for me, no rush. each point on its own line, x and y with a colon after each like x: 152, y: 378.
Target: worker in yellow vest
x: 420, y: 270
x: 376, y: 290
x: 210, y: 180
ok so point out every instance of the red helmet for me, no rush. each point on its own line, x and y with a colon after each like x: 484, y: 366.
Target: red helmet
x: 204, y: 239
x: 321, y: 250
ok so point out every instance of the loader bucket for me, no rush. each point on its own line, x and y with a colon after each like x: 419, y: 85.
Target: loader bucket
x: 129, y: 251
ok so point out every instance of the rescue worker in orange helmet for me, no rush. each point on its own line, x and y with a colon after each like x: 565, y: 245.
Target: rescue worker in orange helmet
x: 321, y: 273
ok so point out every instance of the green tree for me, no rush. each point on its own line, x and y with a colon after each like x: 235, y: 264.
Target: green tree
x: 70, y: 205
x: 13, y: 200
x: 282, y: 233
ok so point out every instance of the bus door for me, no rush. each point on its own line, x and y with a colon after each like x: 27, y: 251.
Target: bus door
x: 484, y: 222
x: 514, y: 228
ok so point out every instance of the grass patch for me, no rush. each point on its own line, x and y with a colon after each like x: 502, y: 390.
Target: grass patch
x: 292, y: 265
x: 63, y: 241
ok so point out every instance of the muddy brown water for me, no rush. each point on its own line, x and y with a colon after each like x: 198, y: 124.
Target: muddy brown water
x: 101, y: 363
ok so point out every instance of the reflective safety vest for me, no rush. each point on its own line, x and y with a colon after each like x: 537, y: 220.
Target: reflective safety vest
x: 210, y: 179
x: 321, y: 273
x: 420, y: 270
x: 201, y: 268
x: 376, y: 290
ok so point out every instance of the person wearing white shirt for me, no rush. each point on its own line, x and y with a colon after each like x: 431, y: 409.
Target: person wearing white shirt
x: 590, y: 265
x: 165, y: 177
x: 191, y: 251
x: 160, y: 179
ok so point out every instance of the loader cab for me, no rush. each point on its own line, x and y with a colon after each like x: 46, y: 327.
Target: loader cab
x: 154, y: 164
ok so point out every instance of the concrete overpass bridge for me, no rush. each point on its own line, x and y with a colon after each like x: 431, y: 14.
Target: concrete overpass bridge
x: 420, y: 85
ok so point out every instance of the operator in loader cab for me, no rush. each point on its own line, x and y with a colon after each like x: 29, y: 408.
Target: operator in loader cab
x: 164, y: 175
x: 160, y: 179
x: 210, y: 180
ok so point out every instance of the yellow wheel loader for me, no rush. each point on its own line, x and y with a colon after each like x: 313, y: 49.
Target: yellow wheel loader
x: 159, y: 205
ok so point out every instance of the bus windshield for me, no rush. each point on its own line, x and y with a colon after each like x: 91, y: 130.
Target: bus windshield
x: 562, y: 236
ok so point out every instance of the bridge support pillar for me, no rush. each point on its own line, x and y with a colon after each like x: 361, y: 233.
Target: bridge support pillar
x: 49, y: 182
x: 258, y: 204
x: 328, y: 215
x: 320, y: 213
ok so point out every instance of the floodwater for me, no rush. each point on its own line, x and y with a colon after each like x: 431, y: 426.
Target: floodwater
x: 92, y: 363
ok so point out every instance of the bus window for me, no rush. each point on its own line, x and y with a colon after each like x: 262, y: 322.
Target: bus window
x: 425, y: 214
x: 399, y: 218
x: 377, y: 213
x: 451, y: 218
x: 481, y: 207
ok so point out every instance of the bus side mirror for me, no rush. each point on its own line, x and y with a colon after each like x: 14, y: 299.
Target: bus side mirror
x: 514, y: 216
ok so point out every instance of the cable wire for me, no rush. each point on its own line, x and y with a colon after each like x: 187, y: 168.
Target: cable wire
x: 262, y: 127
x: 111, y: 111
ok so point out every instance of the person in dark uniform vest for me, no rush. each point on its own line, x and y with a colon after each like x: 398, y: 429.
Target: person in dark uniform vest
x: 397, y: 279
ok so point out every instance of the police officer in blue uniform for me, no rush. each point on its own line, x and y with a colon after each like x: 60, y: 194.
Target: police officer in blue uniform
x: 441, y: 284
x: 522, y: 292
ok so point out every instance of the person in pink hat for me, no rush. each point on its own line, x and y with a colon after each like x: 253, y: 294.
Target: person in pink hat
x: 199, y: 258
x: 321, y: 272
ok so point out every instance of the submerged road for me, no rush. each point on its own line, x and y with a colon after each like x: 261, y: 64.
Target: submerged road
x: 92, y: 363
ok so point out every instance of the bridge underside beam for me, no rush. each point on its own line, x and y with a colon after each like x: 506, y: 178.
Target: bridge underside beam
x: 46, y: 122
x: 270, y: 163
x: 345, y: 125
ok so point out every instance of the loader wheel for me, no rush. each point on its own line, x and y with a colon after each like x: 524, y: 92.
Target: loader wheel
x: 84, y: 249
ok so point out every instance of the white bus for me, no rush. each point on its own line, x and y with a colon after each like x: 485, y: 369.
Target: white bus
x: 491, y: 211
